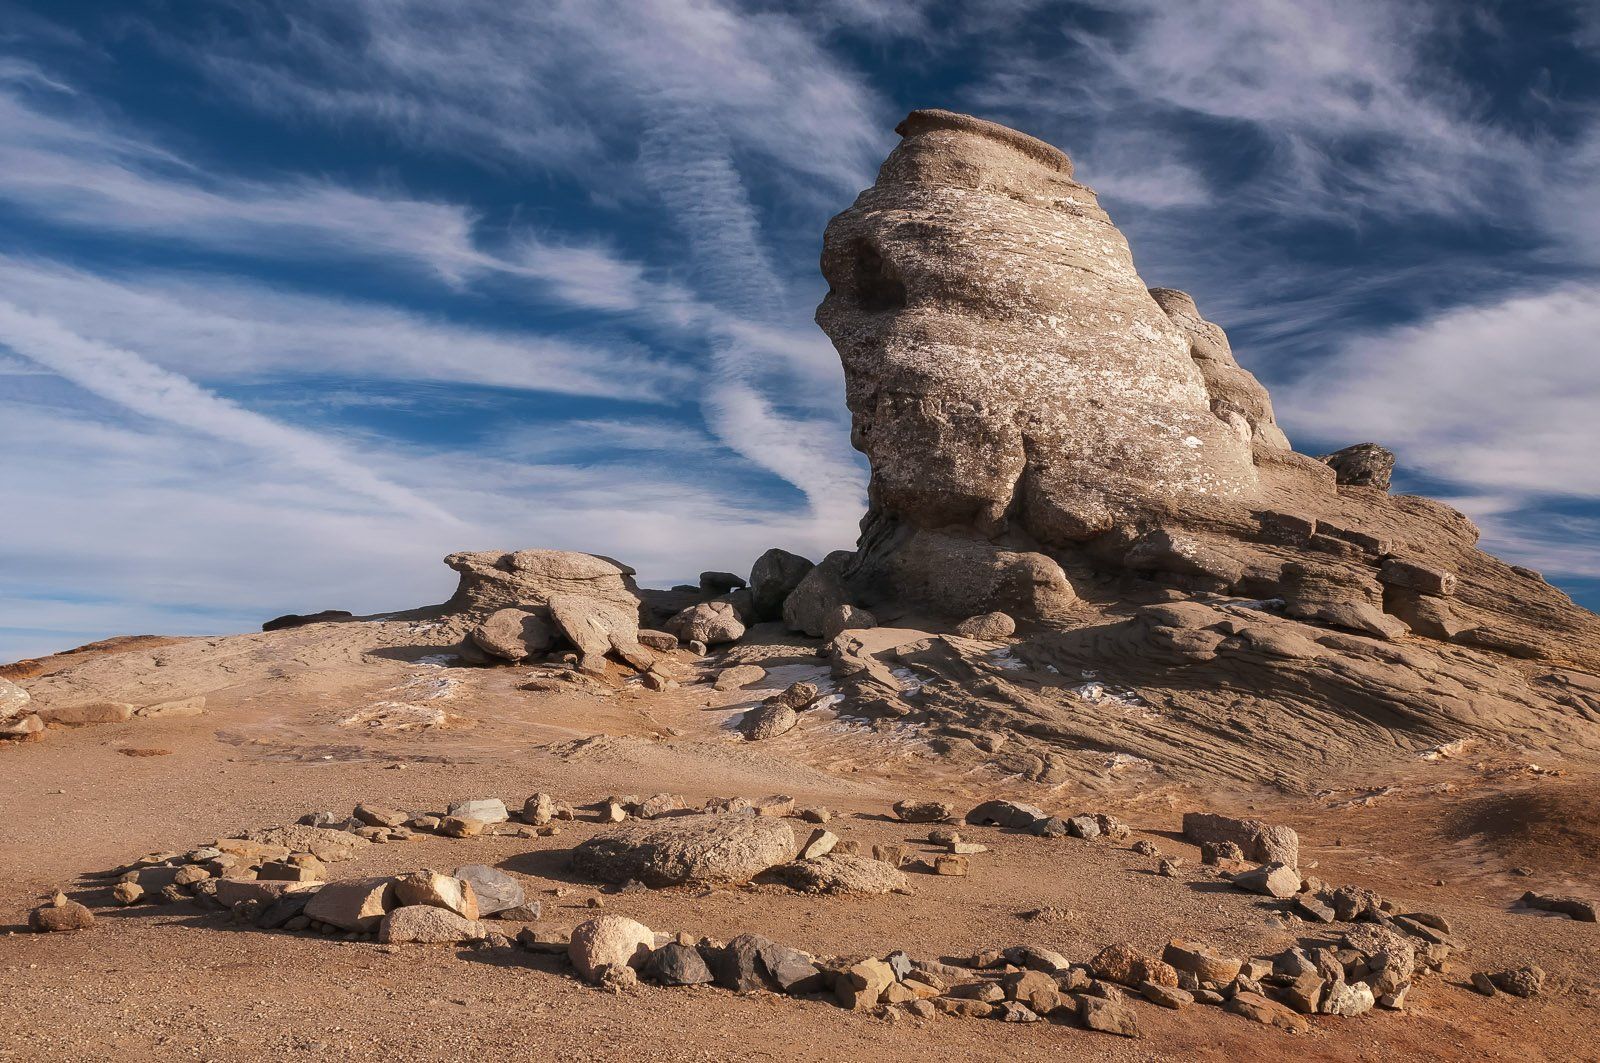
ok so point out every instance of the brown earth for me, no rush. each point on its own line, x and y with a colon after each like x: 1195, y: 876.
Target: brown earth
x: 325, y: 716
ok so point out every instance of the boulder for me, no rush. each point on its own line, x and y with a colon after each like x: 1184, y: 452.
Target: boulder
x: 1106, y: 1016
x: 1361, y: 465
x: 1012, y: 814
x: 711, y: 623
x: 773, y: 578
x: 720, y: 582
x: 817, y: 596
x: 439, y: 891
x: 924, y: 811
x: 687, y: 850
x: 987, y: 626
x: 426, y: 924
x: 60, y: 916
x: 1271, y: 880
x: 13, y: 702
x: 515, y: 634
x: 740, y: 675
x: 1258, y: 841
x: 597, y: 628
x: 609, y: 940
x: 482, y: 809
x: 768, y: 720
x: 1126, y: 965
x: 676, y: 965
x: 1573, y: 907
x: 292, y: 620
x: 94, y: 712
x: 353, y: 904
x: 844, y: 874
x: 660, y: 641
x: 496, y: 579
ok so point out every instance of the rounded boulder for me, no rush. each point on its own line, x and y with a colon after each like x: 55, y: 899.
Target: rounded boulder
x: 712, y: 848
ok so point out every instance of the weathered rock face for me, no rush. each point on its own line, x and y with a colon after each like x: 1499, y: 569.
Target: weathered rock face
x: 493, y: 579
x: 1006, y: 369
x: 1034, y: 414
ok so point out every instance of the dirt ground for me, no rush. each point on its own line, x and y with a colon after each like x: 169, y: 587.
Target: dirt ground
x: 323, y: 717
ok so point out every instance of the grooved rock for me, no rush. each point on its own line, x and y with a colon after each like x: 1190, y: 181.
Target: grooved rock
x: 687, y: 850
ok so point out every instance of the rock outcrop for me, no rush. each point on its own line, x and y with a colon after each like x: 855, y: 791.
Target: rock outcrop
x: 1037, y: 418
x: 1052, y: 439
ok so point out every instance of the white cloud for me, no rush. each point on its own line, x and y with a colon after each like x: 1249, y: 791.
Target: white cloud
x: 1499, y: 398
x: 218, y: 328
x: 124, y: 378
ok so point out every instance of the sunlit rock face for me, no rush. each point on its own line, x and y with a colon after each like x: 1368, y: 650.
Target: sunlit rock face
x: 1007, y: 370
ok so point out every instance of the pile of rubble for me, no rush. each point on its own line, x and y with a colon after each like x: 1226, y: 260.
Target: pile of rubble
x: 277, y: 879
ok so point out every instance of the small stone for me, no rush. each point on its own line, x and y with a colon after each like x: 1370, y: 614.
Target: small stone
x: 893, y: 855
x: 924, y: 811
x: 954, y: 866
x: 767, y: 720
x: 461, y: 827
x: 60, y: 916
x: 439, y: 891
x: 1034, y: 988
x: 1308, y: 906
x: 539, y: 809
x: 739, y: 676
x: 496, y: 892
x: 676, y: 965
x: 1168, y: 868
x: 353, y: 904
x: 1145, y: 847
x: 1518, y: 981
x: 377, y: 816
x: 126, y: 893
x: 963, y: 1007
x: 1011, y: 1011
x: 485, y: 810
x: 617, y: 978
x: 1165, y: 996
x: 1271, y: 880
x: 1348, y: 999
x: 820, y: 843
x: 814, y: 815
x: 1106, y: 1016
x: 1085, y: 827
x: 859, y: 987
x: 1258, y: 1008
x: 1220, y: 852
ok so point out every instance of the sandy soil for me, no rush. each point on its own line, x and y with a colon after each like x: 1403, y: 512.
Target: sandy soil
x: 323, y: 717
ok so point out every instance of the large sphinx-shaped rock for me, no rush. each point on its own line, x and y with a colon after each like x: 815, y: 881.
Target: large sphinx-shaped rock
x: 1035, y: 417
x: 1009, y: 374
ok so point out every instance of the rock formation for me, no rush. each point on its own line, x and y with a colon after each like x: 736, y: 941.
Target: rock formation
x: 1041, y: 425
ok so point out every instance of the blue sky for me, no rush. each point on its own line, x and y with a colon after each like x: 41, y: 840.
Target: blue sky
x: 297, y: 297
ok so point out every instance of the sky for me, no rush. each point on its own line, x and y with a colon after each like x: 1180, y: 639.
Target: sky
x: 298, y: 297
